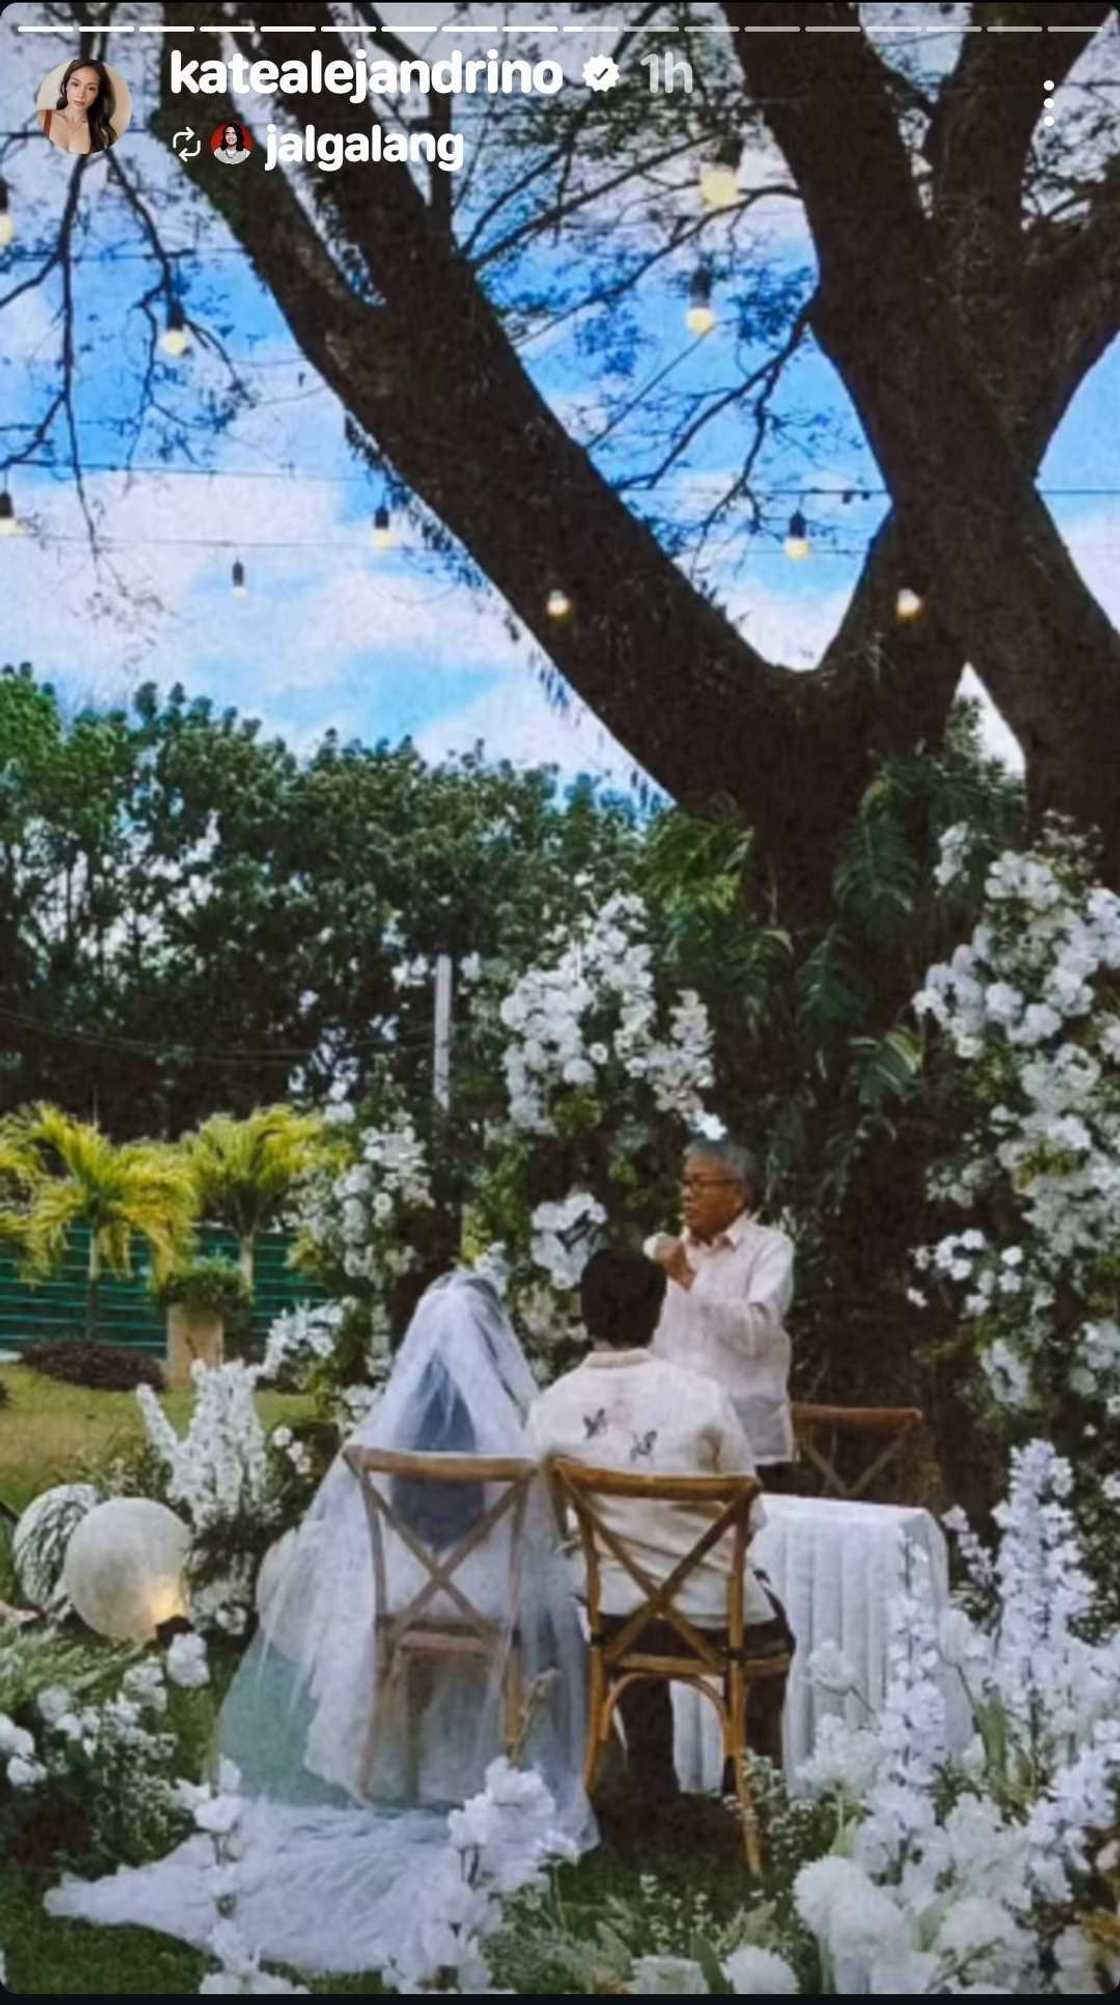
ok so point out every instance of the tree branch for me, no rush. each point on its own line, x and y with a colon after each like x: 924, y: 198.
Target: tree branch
x: 1006, y: 585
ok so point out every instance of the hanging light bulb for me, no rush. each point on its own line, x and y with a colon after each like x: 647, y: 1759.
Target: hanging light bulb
x: 7, y: 227
x: 797, y: 537
x: 382, y: 531
x: 557, y: 605
x: 10, y: 524
x: 240, y: 588
x: 700, y: 318
x: 175, y: 340
x: 909, y: 604
x: 719, y: 176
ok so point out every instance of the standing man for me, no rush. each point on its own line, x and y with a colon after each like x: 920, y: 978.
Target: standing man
x: 730, y: 1288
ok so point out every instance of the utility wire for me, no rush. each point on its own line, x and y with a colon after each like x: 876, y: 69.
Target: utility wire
x: 849, y: 491
x: 410, y: 1045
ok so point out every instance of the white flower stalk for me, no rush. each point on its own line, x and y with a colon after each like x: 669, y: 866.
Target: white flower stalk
x: 502, y: 1840
x: 218, y: 1471
x: 976, y: 1886
x: 218, y: 1811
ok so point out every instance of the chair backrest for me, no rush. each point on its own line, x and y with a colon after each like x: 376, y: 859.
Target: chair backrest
x: 851, y: 1446
x: 508, y: 1476
x: 580, y: 1487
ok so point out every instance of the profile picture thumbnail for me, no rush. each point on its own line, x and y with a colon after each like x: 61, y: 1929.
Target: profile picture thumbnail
x: 84, y: 105
x: 231, y: 143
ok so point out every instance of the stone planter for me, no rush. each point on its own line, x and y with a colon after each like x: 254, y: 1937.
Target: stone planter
x: 191, y: 1333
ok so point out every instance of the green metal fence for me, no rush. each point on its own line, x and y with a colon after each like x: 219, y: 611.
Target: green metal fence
x: 127, y: 1313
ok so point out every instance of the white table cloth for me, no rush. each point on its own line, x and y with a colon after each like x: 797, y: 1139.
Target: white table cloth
x: 835, y: 1566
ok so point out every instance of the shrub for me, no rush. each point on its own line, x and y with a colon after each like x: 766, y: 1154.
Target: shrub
x: 216, y: 1285
x: 103, y: 1367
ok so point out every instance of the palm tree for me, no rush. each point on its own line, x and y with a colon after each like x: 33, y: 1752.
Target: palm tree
x: 19, y: 1175
x: 245, y: 1171
x: 81, y: 1177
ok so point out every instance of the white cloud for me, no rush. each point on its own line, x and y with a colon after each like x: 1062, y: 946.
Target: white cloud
x: 515, y: 721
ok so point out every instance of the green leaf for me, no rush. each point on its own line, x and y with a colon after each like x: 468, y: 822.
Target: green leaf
x: 876, y: 879
x: 890, y: 1066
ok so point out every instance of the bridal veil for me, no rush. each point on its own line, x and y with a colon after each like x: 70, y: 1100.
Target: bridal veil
x: 329, y: 1866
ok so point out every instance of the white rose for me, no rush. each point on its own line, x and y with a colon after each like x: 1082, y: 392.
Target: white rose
x: 759, y: 1973
x: 218, y: 1814
x: 187, y: 1664
x: 15, y: 1740
x: 25, y: 1774
x: 830, y: 1669
x: 53, y: 1702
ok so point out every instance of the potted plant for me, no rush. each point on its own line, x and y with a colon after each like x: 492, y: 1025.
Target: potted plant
x: 203, y: 1299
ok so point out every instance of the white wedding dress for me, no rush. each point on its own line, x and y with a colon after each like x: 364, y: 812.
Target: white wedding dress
x: 325, y: 1880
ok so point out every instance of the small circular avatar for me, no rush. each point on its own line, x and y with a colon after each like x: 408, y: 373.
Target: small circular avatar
x: 84, y: 106
x: 230, y: 143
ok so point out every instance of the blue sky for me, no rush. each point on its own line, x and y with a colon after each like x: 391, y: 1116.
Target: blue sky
x: 333, y: 634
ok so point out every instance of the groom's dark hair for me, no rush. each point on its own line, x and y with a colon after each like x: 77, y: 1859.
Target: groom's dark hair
x: 620, y: 1298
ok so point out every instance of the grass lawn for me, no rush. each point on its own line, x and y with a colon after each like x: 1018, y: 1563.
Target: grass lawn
x: 54, y: 1433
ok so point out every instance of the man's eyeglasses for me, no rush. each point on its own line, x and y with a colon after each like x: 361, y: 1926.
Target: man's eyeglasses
x: 707, y: 1183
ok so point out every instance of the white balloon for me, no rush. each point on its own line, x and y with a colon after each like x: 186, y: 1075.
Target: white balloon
x: 124, y: 1568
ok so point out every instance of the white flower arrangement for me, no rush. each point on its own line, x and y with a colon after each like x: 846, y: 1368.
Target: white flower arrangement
x: 219, y: 1474
x: 356, y: 1232
x: 964, y: 1897
x: 299, y: 1336
x: 111, y: 1755
x: 563, y: 1234
x: 589, y: 1020
x: 1029, y: 1003
x: 218, y: 1471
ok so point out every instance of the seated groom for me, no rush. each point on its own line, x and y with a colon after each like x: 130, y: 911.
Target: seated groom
x: 730, y: 1288
x: 624, y: 1408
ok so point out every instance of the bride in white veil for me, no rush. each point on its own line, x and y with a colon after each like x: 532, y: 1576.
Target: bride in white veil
x: 329, y: 1874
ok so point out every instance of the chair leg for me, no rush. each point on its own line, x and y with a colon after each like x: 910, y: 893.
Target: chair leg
x: 382, y: 1686
x: 514, y: 1699
x: 598, y: 1723
x: 416, y: 1704
x: 737, y: 1749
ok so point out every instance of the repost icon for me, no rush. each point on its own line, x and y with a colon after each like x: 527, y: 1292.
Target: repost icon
x: 601, y: 73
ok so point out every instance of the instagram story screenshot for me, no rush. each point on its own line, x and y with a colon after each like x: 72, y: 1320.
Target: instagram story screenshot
x: 559, y: 998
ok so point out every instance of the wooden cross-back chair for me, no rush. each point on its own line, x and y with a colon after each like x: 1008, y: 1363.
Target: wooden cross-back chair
x: 823, y: 1435
x: 417, y: 1631
x: 722, y: 1671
